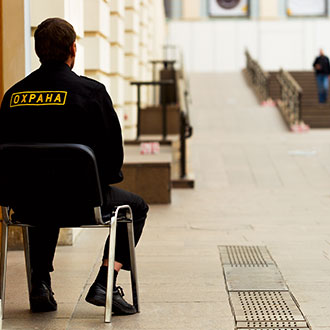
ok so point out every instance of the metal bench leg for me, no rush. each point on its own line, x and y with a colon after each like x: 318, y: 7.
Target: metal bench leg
x: 27, y: 257
x: 134, y: 281
x: 111, y: 264
x: 3, y: 264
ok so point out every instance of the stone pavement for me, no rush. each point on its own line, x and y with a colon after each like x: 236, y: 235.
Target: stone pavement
x: 256, y: 184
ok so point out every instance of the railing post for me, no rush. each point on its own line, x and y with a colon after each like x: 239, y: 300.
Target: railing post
x: 164, y: 114
x: 183, y: 172
x: 138, y: 111
x: 299, y: 107
x: 151, y: 83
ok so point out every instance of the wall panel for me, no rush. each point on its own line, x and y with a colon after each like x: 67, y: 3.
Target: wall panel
x: 218, y: 46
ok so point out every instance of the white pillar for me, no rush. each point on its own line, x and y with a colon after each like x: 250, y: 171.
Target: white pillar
x: 117, y: 41
x: 131, y: 48
x: 70, y: 10
x: 73, y: 12
x: 96, y: 41
x: 269, y: 9
x: 191, y: 9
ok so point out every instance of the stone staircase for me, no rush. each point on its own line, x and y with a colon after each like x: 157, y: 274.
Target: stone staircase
x: 314, y: 114
x: 274, y: 86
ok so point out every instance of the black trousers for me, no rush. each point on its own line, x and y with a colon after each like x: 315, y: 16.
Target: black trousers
x: 43, y: 240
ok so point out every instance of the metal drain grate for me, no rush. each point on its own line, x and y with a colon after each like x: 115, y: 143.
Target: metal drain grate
x: 266, y: 309
x: 258, y: 294
x: 271, y: 324
x: 245, y: 256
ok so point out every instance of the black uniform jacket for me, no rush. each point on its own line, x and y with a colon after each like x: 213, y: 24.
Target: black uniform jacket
x: 54, y: 105
x: 321, y: 65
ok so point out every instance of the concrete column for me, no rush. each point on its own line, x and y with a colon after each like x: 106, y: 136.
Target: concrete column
x: 70, y: 10
x: 73, y: 12
x: 96, y: 41
x: 191, y: 9
x: 159, y: 31
x: 156, y: 41
x: 117, y: 64
x: 131, y: 48
x: 13, y: 55
x: 150, y: 51
x: 269, y: 9
x: 14, y: 58
x: 143, y: 47
x: 12, y: 65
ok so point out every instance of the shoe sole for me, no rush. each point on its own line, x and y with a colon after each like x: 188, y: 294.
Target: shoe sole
x: 118, y: 310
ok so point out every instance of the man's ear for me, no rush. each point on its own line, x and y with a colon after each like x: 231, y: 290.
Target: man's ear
x: 73, y: 49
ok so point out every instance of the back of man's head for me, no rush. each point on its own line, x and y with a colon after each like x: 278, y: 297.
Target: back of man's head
x: 53, y: 40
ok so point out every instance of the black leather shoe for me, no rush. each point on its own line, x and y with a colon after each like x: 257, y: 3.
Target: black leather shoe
x: 97, y: 295
x: 42, y: 298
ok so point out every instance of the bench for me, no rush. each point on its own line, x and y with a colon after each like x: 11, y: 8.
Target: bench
x: 148, y: 175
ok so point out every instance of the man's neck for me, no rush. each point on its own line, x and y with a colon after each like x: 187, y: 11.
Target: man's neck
x: 70, y: 62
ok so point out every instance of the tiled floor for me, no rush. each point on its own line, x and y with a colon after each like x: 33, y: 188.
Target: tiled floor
x: 256, y: 184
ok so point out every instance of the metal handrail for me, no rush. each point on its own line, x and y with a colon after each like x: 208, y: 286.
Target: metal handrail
x: 160, y: 83
x: 258, y: 77
x: 291, y: 93
x: 186, y: 129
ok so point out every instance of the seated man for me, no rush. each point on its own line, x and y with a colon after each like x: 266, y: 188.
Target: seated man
x: 53, y: 104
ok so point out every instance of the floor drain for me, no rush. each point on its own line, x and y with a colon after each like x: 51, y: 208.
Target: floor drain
x: 245, y: 256
x: 266, y: 309
x: 257, y: 291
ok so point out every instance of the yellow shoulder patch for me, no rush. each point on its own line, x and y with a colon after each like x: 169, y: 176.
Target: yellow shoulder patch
x: 38, y: 98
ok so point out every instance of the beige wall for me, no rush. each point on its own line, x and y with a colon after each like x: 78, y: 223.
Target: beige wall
x: 191, y: 9
x: 268, y: 9
x: 13, y: 38
x: 117, y: 58
x: 116, y: 40
x: 1, y: 49
x: 158, y: 31
x: 72, y: 11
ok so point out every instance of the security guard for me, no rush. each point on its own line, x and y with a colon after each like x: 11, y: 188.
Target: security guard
x: 54, y: 105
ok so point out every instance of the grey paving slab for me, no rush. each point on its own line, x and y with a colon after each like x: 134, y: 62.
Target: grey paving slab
x: 253, y: 279
x: 163, y: 316
x: 14, y: 324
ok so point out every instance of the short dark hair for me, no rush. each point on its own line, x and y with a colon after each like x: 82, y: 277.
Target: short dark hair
x: 53, y: 39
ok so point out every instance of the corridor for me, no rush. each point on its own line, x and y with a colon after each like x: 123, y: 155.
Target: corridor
x: 257, y: 184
